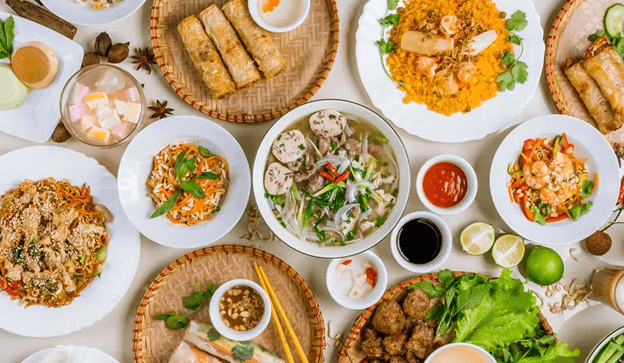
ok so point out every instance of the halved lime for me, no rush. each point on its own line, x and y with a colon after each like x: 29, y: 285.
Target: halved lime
x: 508, y: 250
x: 478, y: 238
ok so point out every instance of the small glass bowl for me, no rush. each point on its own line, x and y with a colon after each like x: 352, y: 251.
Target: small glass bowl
x: 66, y: 103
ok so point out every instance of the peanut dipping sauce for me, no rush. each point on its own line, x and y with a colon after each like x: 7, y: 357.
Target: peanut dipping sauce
x: 445, y: 184
x: 241, y: 308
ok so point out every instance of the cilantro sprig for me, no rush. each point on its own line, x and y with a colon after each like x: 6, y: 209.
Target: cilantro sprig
x: 192, y: 302
x: 517, y: 71
x: 387, y: 47
x: 7, y: 34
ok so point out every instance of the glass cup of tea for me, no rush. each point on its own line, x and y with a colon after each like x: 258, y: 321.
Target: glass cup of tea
x: 421, y: 242
x: 608, y: 287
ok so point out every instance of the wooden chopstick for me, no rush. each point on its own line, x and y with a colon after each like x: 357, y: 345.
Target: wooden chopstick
x: 289, y: 356
x: 277, y: 304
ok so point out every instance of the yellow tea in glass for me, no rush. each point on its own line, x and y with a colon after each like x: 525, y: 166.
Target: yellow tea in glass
x: 608, y: 287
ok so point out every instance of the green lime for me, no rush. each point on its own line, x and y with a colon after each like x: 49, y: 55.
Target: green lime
x: 508, y: 250
x: 544, y: 266
x: 478, y: 238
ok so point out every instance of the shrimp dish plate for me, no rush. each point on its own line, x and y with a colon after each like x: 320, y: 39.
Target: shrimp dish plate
x: 196, y: 218
x: 438, y: 69
x: 537, y: 198
x: 103, y: 293
x: 65, y: 353
x: 79, y: 13
x: 331, y: 178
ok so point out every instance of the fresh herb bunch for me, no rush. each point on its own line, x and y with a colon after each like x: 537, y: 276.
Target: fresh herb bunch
x: 193, y: 302
x: 183, y: 166
x: 7, y: 34
x: 617, y: 41
x: 498, y: 315
x: 517, y: 71
x: 386, y: 47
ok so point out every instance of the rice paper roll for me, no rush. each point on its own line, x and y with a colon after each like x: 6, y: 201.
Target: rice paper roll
x: 205, y: 57
x: 205, y: 337
x: 595, y: 101
x: 184, y: 353
x: 239, y: 63
x: 256, y: 39
x: 606, y: 68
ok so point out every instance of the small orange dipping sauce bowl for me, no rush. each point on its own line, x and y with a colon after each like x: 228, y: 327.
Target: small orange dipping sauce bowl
x: 446, y: 184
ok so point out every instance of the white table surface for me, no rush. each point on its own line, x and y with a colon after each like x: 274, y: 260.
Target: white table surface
x: 113, y: 334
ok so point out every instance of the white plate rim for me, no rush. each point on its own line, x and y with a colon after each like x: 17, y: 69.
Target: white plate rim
x: 104, y: 293
x: 94, y: 355
x: 490, y: 117
x: 80, y: 14
x: 601, y: 158
x: 133, y: 174
x: 69, y: 54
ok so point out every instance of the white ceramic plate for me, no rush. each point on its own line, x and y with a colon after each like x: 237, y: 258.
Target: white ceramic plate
x: 417, y: 119
x: 37, y: 117
x: 598, y: 347
x: 136, y: 165
x: 102, y: 295
x: 590, y: 144
x: 80, y: 354
x: 350, y: 109
x: 82, y: 14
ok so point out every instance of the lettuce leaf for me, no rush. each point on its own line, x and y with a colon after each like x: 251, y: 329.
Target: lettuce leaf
x: 506, y: 314
x: 553, y: 352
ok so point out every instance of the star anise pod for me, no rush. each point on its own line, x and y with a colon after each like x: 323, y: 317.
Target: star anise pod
x: 144, y: 58
x: 161, y: 110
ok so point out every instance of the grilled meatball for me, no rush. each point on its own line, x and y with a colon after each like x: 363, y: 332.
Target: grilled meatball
x: 371, y: 344
x: 394, y: 343
x: 416, y: 304
x: 421, y: 341
x: 389, y: 318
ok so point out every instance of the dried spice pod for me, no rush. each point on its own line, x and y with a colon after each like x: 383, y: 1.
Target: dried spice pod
x: 103, y: 44
x: 90, y: 58
x: 60, y: 133
x: 118, y: 52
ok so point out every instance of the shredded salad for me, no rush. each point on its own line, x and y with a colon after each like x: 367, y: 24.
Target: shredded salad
x: 549, y: 182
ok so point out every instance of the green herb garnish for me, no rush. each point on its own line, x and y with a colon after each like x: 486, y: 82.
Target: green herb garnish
x: 243, y: 351
x: 517, y: 71
x: 7, y: 34
x: 173, y: 321
x: 166, y: 206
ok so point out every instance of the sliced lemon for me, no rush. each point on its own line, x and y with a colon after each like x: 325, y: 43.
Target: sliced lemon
x: 478, y: 238
x: 508, y: 250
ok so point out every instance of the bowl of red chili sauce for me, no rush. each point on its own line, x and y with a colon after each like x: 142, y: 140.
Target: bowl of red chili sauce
x: 446, y: 184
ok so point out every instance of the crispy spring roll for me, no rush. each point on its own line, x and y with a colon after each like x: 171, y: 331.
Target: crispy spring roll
x: 607, y: 69
x: 205, y: 57
x: 241, y: 66
x: 597, y: 104
x: 256, y: 39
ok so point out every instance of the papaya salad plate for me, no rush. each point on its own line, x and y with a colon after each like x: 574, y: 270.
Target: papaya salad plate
x: 450, y: 71
x: 68, y: 253
x: 555, y: 180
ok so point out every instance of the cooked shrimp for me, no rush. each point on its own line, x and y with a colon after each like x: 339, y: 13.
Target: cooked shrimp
x: 449, y: 24
x: 553, y: 198
x: 562, y: 166
x: 465, y: 71
x: 536, y: 175
x: 447, y: 83
x: 427, y: 66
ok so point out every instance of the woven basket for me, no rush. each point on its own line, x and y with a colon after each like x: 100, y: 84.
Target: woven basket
x: 567, y: 38
x: 309, y: 51
x: 153, y: 343
x: 351, y: 352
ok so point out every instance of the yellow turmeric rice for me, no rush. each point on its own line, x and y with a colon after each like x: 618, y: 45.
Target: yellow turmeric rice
x: 480, y: 14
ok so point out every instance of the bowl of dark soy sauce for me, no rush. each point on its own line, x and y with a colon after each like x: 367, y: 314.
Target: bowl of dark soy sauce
x: 421, y: 242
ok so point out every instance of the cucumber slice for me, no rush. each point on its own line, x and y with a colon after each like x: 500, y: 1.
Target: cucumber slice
x: 614, y: 20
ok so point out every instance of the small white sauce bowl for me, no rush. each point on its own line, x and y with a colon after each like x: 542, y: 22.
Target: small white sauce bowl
x: 217, y: 322
x: 294, y: 19
x: 487, y: 356
x: 471, y: 184
x: 373, y: 296
x: 445, y: 249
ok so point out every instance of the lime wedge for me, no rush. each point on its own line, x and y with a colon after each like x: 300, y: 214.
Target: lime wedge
x: 478, y: 238
x: 508, y: 250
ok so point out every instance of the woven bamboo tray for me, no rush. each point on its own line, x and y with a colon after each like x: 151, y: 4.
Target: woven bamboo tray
x: 153, y: 343
x: 567, y: 38
x: 309, y: 51
x: 351, y: 352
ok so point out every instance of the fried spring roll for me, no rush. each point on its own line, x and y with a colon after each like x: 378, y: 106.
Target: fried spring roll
x: 597, y: 104
x: 205, y: 57
x: 256, y: 39
x: 606, y: 68
x: 241, y: 66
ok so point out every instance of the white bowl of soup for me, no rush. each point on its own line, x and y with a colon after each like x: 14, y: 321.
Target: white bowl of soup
x: 460, y: 352
x: 331, y: 178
